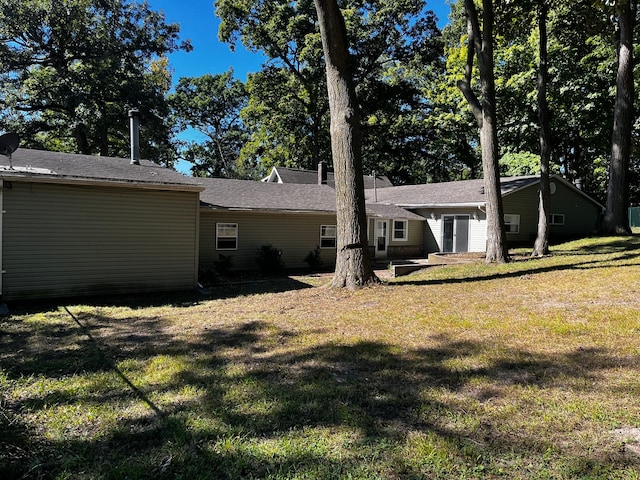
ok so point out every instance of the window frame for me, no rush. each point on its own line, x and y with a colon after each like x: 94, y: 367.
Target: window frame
x: 325, y: 237
x: 405, y: 230
x: 219, y: 237
x: 553, y: 216
x: 509, y: 224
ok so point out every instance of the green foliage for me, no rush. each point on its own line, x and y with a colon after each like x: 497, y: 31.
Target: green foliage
x: 211, y: 105
x: 224, y: 264
x: 314, y: 259
x: 287, y: 112
x: 522, y: 163
x: 70, y: 69
x: 582, y: 58
x: 269, y: 260
x: 217, y: 272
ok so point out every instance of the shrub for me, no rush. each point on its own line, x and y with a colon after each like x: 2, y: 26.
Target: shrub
x: 208, y: 275
x: 224, y: 264
x: 215, y: 273
x: 313, y: 259
x: 269, y: 260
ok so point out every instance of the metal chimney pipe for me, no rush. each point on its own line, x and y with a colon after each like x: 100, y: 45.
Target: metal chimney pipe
x: 134, y: 130
x: 322, y: 173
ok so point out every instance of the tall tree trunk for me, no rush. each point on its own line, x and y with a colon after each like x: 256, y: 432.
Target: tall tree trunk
x: 616, y: 220
x: 541, y: 245
x: 353, y: 265
x: 82, y: 141
x: 484, y: 110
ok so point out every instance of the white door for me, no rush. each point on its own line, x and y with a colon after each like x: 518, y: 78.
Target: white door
x: 455, y: 233
x: 382, y: 238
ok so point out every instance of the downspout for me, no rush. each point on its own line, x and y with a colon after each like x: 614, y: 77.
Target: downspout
x: 1, y: 237
x: 375, y: 189
x: 4, y: 311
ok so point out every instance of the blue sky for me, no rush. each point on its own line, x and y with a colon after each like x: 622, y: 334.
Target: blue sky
x: 199, y: 24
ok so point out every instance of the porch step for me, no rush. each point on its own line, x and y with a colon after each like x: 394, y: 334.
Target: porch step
x: 399, y: 268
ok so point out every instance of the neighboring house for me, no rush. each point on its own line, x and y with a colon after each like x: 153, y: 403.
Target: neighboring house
x: 456, y: 219
x: 80, y: 224
x: 239, y: 216
x: 319, y: 177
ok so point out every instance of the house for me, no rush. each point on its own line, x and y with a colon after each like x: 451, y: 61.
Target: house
x: 79, y: 224
x: 456, y: 219
x: 320, y: 176
x: 239, y: 216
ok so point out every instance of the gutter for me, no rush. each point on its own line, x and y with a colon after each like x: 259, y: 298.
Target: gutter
x: 103, y: 182
x: 440, y: 205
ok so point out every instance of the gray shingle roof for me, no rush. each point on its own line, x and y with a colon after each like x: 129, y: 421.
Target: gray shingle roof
x: 39, y: 164
x: 310, y: 177
x: 461, y: 193
x: 291, y: 197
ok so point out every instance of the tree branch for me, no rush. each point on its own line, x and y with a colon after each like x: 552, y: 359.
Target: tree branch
x: 474, y: 103
x: 473, y: 44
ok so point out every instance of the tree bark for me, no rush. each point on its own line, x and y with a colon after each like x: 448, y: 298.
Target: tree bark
x: 541, y: 245
x: 484, y: 110
x: 353, y: 264
x: 82, y: 141
x: 616, y: 220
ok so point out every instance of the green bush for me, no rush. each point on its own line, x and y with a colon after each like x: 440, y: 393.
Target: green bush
x: 224, y: 264
x: 313, y: 259
x: 269, y: 260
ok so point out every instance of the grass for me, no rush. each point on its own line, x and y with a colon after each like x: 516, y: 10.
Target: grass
x: 524, y: 370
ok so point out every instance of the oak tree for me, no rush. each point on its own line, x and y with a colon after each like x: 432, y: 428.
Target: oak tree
x: 353, y: 265
x: 480, y: 45
x: 71, y: 69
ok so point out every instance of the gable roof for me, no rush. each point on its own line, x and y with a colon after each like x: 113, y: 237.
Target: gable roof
x: 462, y: 193
x: 310, y: 177
x: 283, y: 197
x: 57, y: 167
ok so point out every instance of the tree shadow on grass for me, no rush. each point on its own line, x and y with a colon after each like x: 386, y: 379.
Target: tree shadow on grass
x: 158, y: 299
x: 620, y: 252
x: 264, y: 404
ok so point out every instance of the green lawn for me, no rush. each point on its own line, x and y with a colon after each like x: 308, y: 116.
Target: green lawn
x: 527, y: 370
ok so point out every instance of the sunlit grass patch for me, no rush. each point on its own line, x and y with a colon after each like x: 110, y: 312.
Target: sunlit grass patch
x: 471, y: 371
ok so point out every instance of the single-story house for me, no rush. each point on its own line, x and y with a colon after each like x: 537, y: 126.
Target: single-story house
x: 456, y: 219
x: 239, y: 216
x: 79, y: 224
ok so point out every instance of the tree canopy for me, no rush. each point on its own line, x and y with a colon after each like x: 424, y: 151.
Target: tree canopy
x: 71, y: 69
x: 211, y: 106
x: 287, y: 112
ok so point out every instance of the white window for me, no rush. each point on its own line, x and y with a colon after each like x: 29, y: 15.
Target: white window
x: 512, y: 223
x: 556, y: 219
x: 327, y: 236
x: 400, y: 230
x: 226, y: 236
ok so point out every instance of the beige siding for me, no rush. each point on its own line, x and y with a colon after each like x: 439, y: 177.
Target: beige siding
x: 433, y: 230
x: 71, y: 240
x: 581, y: 214
x: 295, y: 234
x: 412, y: 247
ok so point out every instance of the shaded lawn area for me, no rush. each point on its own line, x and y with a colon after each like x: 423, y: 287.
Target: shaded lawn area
x: 524, y: 370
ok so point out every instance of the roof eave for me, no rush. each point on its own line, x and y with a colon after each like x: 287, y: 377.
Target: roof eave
x: 440, y: 205
x: 101, y: 182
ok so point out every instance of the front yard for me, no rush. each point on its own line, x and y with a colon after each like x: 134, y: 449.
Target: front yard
x: 526, y: 370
